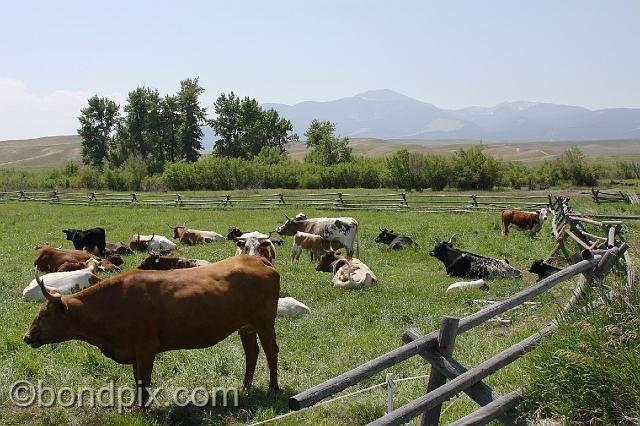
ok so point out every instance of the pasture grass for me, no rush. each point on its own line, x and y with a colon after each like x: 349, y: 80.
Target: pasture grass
x: 344, y: 329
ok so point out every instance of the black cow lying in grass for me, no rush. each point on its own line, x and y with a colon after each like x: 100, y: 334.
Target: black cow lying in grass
x: 395, y: 241
x: 460, y: 263
x: 543, y: 270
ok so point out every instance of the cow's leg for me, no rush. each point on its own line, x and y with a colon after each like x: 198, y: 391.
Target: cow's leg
x: 270, y: 347
x: 143, y: 367
x: 250, y: 345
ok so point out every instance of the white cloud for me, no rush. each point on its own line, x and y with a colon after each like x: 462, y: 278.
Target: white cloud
x: 27, y: 114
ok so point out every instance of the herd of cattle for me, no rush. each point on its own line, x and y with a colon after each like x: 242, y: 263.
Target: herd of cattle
x: 175, y: 303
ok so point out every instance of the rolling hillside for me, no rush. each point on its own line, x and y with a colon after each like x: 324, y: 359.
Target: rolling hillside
x: 54, y: 151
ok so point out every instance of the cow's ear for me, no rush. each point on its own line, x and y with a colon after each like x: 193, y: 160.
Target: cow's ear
x: 265, y: 243
x: 338, y: 222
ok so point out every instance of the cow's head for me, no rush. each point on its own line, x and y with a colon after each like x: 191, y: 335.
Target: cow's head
x: 150, y: 261
x: 291, y: 226
x: 256, y: 245
x: 234, y: 232
x: 441, y: 248
x: 178, y: 230
x: 537, y: 267
x: 116, y: 259
x: 326, y: 261
x: 385, y: 236
x: 52, y: 322
x: 70, y: 233
x: 542, y: 214
x: 93, y: 264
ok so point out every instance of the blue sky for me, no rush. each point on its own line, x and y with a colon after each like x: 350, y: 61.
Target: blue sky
x: 452, y: 54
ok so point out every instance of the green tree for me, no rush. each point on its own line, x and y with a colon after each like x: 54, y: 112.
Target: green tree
x: 97, y: 127
x: 170, y: 121
x: 244, y: 128
x: 137, y: 121
x: 326, y: 149
x: 475, y: 170
x: 574, y: 168
x: 192, y: 116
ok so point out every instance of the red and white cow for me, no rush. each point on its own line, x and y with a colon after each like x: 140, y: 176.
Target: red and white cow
x: 256, y: 244
x: 523, y: 220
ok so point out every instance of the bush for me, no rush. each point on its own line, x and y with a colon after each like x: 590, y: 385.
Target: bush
x: 475, y: 170
x: 587, y: 371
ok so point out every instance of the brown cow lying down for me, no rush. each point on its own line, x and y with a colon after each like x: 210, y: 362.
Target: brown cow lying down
x: 159, y: 311
x: 110, y: 264
x: 348, y: 272
x: 157, y: 262
x: 50, y: 258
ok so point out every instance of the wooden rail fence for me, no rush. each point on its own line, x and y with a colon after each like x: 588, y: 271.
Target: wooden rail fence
x: 331, y: 200
x: 448, y: 376
x: 611, y: 196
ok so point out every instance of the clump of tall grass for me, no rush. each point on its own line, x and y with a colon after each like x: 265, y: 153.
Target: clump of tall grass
x: 589, y: 370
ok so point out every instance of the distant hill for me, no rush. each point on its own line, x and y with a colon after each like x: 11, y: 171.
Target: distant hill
x: 385, y: 114
x: 54, y: 151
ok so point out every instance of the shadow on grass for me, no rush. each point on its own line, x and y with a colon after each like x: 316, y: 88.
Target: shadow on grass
x: 248, y: 403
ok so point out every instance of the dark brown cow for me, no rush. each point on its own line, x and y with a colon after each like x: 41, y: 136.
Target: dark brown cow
x: 159, y: 311
x: 161, y: 263
x: 51, y: 258
x: 523, y: 220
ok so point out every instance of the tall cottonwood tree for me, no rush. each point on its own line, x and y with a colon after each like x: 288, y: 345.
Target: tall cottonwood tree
x: 192, y: 116
x: 97, y: 128
x: 244, y: 128
x: 326, y: 148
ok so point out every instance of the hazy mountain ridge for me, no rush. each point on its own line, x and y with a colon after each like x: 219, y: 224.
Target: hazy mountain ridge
x: 387, y: 114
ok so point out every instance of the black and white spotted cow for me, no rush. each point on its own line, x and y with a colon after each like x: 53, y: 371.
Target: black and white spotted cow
x: 341, y: 229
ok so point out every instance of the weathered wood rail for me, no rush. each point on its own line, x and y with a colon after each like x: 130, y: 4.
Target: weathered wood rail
x: 437, y: 348
x: 332, y: 200
x: 611, y: 196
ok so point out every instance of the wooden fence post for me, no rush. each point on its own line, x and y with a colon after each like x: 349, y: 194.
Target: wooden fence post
x: 178, y: 201
x: 134, y: 198
x: 281, y: 199
x: 446, y: 342
x: 595, y: 193
x: 92, y: 197
x: 404, y: 199
x: 340, y: 200
x: 474, y: 200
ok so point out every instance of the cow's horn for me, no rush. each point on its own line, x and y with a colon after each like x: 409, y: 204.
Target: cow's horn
x: 380, y: 229
x: 50, y: 297
x: 285, y: 215
x: 451, y: 239
x: 171, y: 226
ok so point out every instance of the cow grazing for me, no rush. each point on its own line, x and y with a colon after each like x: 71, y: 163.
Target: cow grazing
x: 158, y: 243
x: 50, y: 258
x: 92, y: 239
x: 256, y: 244
x: 348, y: 272
x: 340, y: 229
x: 523, y: 220
x: 117, y: 248
x: 395, y: 241
x: 235, y: 232
x: 194, y: 236
x: 158, y: 311
x: 157, y: 262
x: 316, y: 244
x: 290, y: 307
x: 543, y: 270
x: 460, y: 263
x: 64, y: 282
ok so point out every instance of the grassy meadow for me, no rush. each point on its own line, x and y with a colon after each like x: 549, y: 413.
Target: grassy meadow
x: 345, y: 327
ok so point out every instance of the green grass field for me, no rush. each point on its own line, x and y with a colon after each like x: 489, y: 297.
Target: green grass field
x: 344, y: 329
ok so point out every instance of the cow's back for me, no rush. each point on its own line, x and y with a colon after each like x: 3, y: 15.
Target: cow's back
x: 188, y: 308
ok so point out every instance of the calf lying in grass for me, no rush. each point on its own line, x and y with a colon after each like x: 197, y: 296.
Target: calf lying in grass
x: 348, y: 272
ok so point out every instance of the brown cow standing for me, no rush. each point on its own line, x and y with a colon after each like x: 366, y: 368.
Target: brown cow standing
x: 523, y: 220
x: 165, y: 310
x: 50, y: 258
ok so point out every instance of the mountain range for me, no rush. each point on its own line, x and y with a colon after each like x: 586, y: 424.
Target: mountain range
x: 390, y: 115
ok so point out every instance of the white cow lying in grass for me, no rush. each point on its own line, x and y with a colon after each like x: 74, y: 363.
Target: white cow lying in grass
x: 157, y: 243
x: 290, y: 307
x: 64, y: 282
x: 348, y: 272
x: 466, y: 285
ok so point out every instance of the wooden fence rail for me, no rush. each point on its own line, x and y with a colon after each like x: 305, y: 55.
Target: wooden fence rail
x: 332, y: 200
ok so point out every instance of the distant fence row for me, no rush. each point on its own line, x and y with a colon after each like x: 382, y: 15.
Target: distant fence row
x: 328, y: 200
